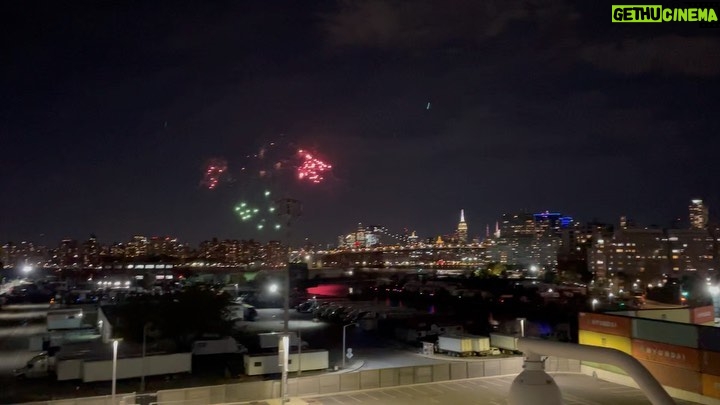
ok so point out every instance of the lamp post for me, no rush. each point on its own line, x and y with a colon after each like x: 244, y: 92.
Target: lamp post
x: 522, y: 327
x: 344, y: 340
x: 142, y: 376
x: 594, y: 302
x: 299, y: 352
x: 114, y: 367
x: 289, y: 209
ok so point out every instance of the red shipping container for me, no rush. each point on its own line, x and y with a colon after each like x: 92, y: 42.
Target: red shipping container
x: 610, y: 324
x: 703, y: 315
x: 676, y: 356
x: 685, y: 380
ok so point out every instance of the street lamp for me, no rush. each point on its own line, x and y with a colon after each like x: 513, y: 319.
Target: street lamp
x: 142, y: 376
x: 594, y: 302
x: 114, y: 367
x: 344, y: 340
x: 522, y: 327
x: 289, y: 209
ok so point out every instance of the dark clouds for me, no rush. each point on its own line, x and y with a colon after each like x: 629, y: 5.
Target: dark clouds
x: 535, y: 105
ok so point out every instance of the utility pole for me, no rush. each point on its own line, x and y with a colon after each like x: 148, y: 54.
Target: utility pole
x: 289, y: 209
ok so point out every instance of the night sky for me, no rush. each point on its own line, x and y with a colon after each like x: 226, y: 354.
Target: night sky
x: 110, y: 111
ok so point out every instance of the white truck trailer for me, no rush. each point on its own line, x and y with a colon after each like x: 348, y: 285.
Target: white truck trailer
x: 87, y: 369
x: 271, y: 340
x: 226, y: 345
x: 506, y: 343
x: 260, y: 364
x: 465, y: 345
x: 63, y: 319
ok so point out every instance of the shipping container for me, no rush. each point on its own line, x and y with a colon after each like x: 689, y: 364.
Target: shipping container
x: 682, y: 315
x: 703, y: 315
x: 709, y: 338
x: 623, y: 313
x: 709, y: 362
x: 605, y: 340
x: 679, y: 334
x: 601, y: 323
x: 711, y: 386
x: 673, y: 377
x: 671, y: 355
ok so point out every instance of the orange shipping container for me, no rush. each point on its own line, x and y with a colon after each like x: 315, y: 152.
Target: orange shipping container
x: 711, y: 386
x: 676, y: 356
x: 703, y: 315
x: 610, y: 324
x: 710, y: 362
x: 675, y: 377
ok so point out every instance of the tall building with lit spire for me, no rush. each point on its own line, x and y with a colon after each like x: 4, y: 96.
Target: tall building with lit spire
x: 462, y: 229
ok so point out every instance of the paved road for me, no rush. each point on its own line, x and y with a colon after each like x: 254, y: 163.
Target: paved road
x: 373, y: 351
x: 577, y: 389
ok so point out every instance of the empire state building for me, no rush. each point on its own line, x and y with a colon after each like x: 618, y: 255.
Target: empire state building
x: 462, y: 229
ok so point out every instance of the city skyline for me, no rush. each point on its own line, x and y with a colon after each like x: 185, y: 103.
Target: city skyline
x: 109, y: 120
x: 698, y: 216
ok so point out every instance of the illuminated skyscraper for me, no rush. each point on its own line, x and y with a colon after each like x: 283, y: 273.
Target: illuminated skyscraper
x: 462, y: 229
x: 698, y: 214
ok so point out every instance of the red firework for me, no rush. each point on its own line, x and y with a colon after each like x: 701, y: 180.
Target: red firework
x: 214, y: 170
x: 311, y: 168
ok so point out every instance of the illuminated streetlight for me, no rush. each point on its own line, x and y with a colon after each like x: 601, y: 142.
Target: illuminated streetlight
x: 594, y: 302
x: 114, y: 367
x: 27, y: 269
x: 273, y: 288
x: 344, y: 340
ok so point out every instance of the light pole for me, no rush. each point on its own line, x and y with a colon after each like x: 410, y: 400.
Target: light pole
x: 299, y: 352
x: 594, y: 302
x: 344, y: 340
x: 142, y: 376
x: 522, y: 327
x: 114, y: 367
x: 289, y: 209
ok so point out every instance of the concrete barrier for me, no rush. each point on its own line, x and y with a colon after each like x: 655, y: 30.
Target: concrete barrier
x: 511, y: 365
x: 492, y: 367
x: 329, y: 384
x: 458, y: 370
x: 350, y: 382
x: 423, y: 374
x: 441, y: 372
x: 369, y: 379
x: 389, y: 377
x: 406, y: 375
x: 333, y: 383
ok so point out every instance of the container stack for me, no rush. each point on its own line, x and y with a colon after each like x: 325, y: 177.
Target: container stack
x: 683, y: 355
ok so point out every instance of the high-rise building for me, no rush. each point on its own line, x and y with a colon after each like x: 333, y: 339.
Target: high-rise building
x: 517, y: 224
x: 698, y: 214
x: 462, y: 229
